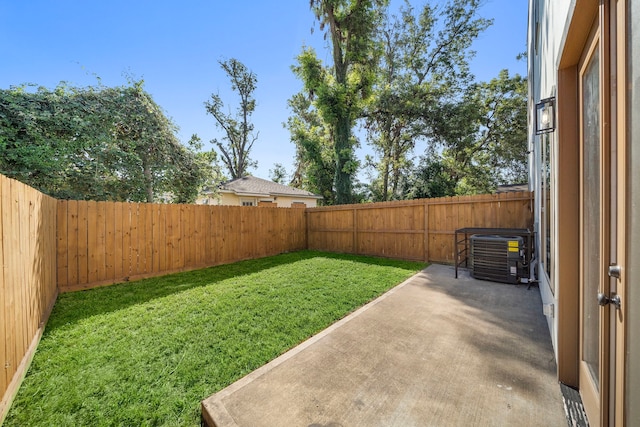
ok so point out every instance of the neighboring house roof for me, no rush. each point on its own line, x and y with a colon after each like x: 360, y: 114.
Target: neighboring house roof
x: 258, y: 187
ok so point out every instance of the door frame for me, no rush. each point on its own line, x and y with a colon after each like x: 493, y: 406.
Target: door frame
x: 619, y: 153
x: 611, y: 15
x: 594, y: 391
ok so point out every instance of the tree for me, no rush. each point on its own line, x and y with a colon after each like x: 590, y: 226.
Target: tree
x: 201, y: 171
x: 340, y: 91
x: 140, y: 125
x: 278, y: 174
x: 483, y: 136
x: 425, y: 60
x: 94, y: 143
x: 430, y: 178
x: 315, y: 155
x: 239, y: 136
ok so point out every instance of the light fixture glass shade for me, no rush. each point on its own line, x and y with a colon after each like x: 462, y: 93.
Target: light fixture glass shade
x: 545, y: 116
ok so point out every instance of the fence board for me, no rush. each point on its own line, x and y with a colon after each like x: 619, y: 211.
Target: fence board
x: 118, y: 236
x: 93, y: 256
x: 83, y: 243
x: 134, y: 242
x: 100, y: 248
x: 109, y: 241
x: 62, y: 247
x: 140, y: 244
x: 9, y: 278
x: 20, y: 240
x: 126, y: 240
x: 161, y: 243
x: 4, y: 319
x: 28, y: 274
x: 33, y: 282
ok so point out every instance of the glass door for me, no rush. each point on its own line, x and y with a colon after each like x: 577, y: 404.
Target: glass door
x: 593, y: 385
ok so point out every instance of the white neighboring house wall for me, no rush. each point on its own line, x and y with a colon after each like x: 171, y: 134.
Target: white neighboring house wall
x: 254, y: 191
x: 547, y: 19
x: 232, y: 199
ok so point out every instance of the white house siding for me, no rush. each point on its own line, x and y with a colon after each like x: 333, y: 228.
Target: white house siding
x: 230, y: 199
x: 285, y: 201
x: 547, y: 19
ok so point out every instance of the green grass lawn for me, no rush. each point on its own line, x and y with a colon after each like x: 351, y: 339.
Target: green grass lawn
x: 147, y: 353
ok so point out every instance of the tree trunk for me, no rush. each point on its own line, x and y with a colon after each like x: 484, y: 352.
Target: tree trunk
x: 148, y: 180
x: 386, y: 164
x: 343, y: 156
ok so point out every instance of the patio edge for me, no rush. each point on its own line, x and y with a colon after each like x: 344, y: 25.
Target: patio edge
x: 214, y: 412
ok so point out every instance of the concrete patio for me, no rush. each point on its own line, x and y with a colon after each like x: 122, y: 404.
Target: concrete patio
x: 434, y: 351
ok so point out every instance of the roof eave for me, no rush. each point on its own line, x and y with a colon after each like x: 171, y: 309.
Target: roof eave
x: 307, y: 196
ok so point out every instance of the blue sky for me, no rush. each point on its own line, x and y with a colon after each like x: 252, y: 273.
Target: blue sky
x: 175, y: 47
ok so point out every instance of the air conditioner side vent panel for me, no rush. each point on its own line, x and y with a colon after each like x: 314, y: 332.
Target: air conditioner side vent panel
x: 497, y: 258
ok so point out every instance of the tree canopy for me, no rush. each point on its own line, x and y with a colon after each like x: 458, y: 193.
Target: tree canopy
x: 239, y: 135
x: 315, y: 154
x: 96, y: 143
x: 425, y: 63
x: 413, y: 94
x: 483, y: 136
x: 341, y: 89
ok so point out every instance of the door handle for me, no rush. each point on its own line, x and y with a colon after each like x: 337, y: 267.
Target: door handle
x: 614, y: 271
x: 604, y: 300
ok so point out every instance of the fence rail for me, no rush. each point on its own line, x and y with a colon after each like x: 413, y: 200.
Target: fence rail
x: 417, y: 229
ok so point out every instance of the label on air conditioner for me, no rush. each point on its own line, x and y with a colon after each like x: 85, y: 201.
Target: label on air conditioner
x: 514, y: 246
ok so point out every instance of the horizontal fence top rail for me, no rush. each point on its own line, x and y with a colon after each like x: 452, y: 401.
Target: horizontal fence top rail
x: 448, y: 200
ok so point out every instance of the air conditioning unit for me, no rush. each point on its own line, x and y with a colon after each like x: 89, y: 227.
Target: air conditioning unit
x: 497, y: 258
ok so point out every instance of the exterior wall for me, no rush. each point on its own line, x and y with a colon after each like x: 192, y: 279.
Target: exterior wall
x: 547, y: 19
x: 633, y: 227
x: 229, y: 199
x: 284, y: 201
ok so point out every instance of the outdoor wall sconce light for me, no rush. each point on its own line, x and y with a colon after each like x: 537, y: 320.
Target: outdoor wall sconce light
x: 545, y: 116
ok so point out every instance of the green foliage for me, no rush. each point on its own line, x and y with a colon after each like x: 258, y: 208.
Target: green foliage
x: 239, y: 136
x: 278, y: 174
x: 425, y: 61
x: 429, y: 179
x: 484, y: 135
x: 202, y: 168
x: 315, y: 155
x: 340, y: 91
x: 147, y: 353
x: 413, y: 86
x: 94, y: 143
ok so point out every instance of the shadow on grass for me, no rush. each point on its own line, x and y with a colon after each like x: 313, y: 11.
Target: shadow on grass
x: 73, y: 307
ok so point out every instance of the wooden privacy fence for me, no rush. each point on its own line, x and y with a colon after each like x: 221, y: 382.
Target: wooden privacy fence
x: 108, y: 242
x: 48, y: 245
x: 413, y: 230
x: 27, y: 278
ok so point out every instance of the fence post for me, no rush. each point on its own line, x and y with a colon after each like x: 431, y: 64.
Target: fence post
x: 355, y: 231
x: 426, y: 230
